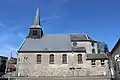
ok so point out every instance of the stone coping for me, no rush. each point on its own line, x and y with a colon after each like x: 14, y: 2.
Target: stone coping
x: 56, y: 76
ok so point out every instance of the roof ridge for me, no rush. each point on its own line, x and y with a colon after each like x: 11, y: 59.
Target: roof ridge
x: 67, y: 34
x: 78, y: 33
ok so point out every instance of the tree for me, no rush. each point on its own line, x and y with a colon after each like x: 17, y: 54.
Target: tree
x: 106, y: 50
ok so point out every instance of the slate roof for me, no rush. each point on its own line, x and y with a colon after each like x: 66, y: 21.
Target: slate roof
x: 82, y: 49
x: 80, y: 37
x: 53, y: 42
x: 96, y: 56
x: 115, y: 47
x: 47, y: 43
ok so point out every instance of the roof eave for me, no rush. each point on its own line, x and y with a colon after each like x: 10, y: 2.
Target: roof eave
x: 85, y: 40
x: 19, y: 49
x: 47, y: 51
x: 96, y: 58
x: 116, y: 45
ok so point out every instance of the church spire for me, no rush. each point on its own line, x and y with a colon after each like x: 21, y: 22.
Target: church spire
x: 11, y: 55
x: 37, y: 18
x: 36, y: 31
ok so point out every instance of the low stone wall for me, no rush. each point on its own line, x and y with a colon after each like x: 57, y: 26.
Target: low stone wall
x: 63, y: 72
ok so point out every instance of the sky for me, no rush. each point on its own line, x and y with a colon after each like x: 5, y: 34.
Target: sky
x: 100, y: 19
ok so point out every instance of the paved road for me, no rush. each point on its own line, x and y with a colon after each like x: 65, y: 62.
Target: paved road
x: 65, y: 78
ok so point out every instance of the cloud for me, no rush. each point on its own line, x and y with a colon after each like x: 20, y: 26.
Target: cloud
x: 7, y: 49
x: 1, y: 25
x: 9, y: 39
x: 7, y: 31
x: 21, y: 35
x: 11, y: 48
x: 11, y: 32
x: 8, y: 44
x: 3, y: 30
x: 49, y: 18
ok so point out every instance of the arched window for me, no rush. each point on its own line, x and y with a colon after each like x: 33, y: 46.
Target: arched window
x: 102, y: 62
x: 79, y: 58
x: 64, y: 58
x: 39, y: 58
x: 92, y: 44
x: 93, y: 50
x: 93, y: 62
x: 51, y: 59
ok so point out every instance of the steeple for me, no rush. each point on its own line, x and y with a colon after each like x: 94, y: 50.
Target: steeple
x: 36, y: 30
x: 11, y: 55
x: 36, y: 23
x: 37, y: 18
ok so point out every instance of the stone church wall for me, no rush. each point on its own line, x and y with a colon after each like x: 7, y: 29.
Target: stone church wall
x: 31, y: 68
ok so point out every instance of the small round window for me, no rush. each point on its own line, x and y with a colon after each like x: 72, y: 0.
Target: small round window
x: 74, y: 44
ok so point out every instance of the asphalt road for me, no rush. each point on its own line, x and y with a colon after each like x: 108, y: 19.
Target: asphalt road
x: 64, y: 78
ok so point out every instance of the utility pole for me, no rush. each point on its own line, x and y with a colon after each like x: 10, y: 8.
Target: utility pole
x: 17, y: 66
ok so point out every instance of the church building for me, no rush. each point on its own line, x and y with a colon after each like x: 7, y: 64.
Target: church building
x: 59, y: 54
